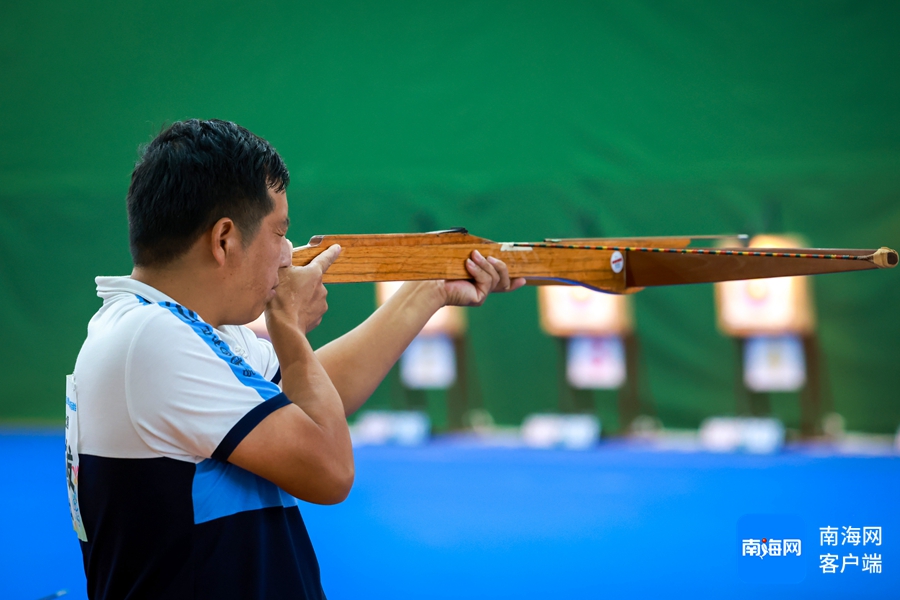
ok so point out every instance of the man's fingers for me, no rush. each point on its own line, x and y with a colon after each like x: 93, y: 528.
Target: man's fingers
x: 485, y: 276
x: 481, y: 284
x: 325, y: 259
x: 502, y: 271
x: 488, y: 268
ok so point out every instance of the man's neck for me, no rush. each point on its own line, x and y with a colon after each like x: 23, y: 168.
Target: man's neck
x: 186, y: 286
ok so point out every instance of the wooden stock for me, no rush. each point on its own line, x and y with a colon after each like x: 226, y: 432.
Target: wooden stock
x: 442, y: 255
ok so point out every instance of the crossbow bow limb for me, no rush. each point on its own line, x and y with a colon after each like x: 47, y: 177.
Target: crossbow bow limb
x: 613, y: 265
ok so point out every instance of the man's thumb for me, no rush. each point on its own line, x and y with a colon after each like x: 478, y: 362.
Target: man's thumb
x: 326, y: 258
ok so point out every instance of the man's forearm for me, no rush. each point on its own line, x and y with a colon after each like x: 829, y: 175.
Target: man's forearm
x: 304, y: 380
x: 305, y: 449
x: 359, y: 360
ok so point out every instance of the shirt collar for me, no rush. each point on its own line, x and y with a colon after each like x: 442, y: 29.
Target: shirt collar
x: 109, y: 288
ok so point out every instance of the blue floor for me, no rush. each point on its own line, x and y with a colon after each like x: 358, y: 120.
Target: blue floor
x: 452, y: 520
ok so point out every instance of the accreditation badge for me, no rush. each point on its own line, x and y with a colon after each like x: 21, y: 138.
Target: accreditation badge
x: 72, y: 457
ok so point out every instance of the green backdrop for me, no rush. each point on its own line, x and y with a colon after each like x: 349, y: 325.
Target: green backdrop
x: 517, y: 120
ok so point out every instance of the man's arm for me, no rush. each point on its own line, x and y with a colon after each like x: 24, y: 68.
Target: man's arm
x: 359, y: 360
x: 304, y: 448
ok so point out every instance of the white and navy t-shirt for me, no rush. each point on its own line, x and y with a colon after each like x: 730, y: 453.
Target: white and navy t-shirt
x: 163, y: 400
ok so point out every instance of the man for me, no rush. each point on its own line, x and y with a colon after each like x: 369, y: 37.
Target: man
x: 187, y: 454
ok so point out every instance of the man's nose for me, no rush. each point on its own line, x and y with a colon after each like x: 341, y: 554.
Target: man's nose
x: 286, y: 253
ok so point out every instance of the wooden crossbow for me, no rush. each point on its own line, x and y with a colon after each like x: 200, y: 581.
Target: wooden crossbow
x: 614, y: 265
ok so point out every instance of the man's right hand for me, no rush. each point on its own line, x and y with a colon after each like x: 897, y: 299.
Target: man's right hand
x: 300, y: 298
x: 303, y: 448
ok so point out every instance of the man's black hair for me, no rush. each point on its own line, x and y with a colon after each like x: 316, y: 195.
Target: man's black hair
x: 193, y: 174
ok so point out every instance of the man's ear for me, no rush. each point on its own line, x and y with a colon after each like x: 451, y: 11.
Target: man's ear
x: 225, y: 240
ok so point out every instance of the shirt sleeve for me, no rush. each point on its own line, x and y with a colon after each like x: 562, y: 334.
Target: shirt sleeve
x: 270, y: 359
x: 188, y: 395
x: 261, y: 353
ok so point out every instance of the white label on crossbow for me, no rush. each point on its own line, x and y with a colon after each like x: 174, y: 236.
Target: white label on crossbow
x: 617, y: 261
x: 512, y: 247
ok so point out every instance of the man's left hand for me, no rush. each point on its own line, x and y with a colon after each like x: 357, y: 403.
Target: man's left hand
x: 490, y: 275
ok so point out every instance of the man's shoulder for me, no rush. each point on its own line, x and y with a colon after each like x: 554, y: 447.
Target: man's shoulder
x: 171, y: 334
x: 130, y: 317
x: 128, y: 327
